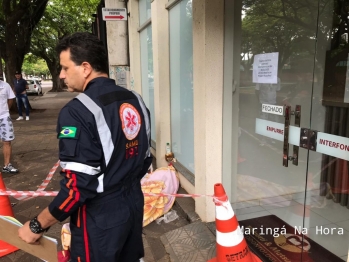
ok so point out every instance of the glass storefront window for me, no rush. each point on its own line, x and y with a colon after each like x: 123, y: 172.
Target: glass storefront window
x: 148, y: 75
x: 181, y: 80
x: 144, y: 10
x: 295, y: 54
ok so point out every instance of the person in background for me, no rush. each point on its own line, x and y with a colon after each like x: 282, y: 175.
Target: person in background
x: 104, y: 150
x: 20, y: 89
x: 267, y: 94
x: 6, y: 126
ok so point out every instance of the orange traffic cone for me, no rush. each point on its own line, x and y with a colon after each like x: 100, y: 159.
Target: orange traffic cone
x: 230, y: 242
x: 5, y: 210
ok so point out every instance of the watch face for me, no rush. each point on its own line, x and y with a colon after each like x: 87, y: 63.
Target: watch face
x: 35, y: 226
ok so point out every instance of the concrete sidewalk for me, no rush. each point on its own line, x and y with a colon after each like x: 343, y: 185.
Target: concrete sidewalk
x: 35, y: 151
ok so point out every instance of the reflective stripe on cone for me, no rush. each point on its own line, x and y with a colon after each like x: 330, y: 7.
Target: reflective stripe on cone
x: 230, y: 242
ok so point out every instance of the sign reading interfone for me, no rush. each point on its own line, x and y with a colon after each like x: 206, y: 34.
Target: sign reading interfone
x: 114, y: 14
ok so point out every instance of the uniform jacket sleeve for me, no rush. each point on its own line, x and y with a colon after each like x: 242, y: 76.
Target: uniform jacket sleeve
x: 81, y: 159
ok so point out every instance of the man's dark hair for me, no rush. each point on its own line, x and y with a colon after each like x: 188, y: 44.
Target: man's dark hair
x: 85, y: 47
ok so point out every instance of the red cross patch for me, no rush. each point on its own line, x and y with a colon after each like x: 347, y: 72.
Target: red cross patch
x: 131, y: 120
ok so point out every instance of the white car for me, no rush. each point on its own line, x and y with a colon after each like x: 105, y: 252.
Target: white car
x: 34, y: 87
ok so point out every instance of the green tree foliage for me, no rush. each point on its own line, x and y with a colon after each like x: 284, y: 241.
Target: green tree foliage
x: 278, y: 26
x: 34, y: 66
x: 18, y: 19
x: 61, y: 18
x: 297, y: 29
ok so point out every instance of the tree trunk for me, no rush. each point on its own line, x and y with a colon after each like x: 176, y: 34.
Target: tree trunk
x: 19, y: 21
x: 1, y: 70
x: 53, y: 66
x: 57, y: 83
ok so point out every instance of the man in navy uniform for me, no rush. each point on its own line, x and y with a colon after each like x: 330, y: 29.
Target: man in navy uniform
x: 104, y: 149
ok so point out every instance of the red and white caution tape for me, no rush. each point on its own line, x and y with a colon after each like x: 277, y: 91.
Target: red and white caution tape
x: 26, y: 194
x: 54, y: 193
x: 41, y: 188
x: 174, y: 195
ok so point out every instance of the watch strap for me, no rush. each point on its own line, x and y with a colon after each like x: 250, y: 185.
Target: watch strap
x: 36, y: 227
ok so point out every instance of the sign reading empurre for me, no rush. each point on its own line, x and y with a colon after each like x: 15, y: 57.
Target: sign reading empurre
x: 114, y: 14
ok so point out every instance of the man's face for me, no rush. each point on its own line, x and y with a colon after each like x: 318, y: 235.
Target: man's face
x: 72, y: 74
x: 18, y: 76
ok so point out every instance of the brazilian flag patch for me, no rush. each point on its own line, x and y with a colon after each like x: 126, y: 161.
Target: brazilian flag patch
x: 68, y: 132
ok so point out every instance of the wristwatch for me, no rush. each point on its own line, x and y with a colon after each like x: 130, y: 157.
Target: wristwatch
x: 35, y: 226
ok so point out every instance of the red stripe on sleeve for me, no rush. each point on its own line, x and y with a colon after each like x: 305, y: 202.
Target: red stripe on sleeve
x: 76, y: 198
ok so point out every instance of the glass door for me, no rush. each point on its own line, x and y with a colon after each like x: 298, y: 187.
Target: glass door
x: 292, y: 177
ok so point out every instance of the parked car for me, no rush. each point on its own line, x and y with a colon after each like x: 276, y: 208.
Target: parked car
x: 34, y: 87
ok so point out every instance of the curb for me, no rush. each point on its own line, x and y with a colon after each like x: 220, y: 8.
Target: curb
x: 187, y: 206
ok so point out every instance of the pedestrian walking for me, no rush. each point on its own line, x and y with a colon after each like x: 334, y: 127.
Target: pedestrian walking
x: 21, y: 87
x: 6, y: 126
x: 104, y: 150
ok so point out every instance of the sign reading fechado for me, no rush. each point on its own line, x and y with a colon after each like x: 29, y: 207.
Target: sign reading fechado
x: 273, y: 109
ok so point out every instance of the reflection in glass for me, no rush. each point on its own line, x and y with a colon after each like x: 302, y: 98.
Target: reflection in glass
x: 181, y: 77
x: 311, y: 38
x: 148, y: 75
x: 144, y: 10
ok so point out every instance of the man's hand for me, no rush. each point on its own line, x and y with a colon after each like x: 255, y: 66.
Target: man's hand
x: 27, y: 235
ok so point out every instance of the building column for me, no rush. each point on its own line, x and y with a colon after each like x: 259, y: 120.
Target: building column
x: 208, y: 59
x: 161, y: 67
x: 135, y: 82
x: 117, y: 41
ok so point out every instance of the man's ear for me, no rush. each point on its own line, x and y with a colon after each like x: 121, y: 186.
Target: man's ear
x: 87, y: 69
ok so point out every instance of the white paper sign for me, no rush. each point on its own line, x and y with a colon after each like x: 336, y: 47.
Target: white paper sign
x: 265, y: 68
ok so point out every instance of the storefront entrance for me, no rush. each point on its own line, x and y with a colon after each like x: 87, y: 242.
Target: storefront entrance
x: 293, y: 89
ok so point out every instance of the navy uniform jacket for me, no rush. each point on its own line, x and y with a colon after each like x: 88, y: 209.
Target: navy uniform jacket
x: 84, y: 150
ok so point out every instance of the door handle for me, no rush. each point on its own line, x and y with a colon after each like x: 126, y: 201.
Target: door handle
x: 297, y: 123
x: 287, y: 115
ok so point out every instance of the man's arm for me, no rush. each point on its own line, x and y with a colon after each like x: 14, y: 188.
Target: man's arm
x: 80, y: 158
x: 10, y: 102
x: 45, y: 219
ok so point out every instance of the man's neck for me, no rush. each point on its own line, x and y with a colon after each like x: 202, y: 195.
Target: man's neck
x: 93, y: 76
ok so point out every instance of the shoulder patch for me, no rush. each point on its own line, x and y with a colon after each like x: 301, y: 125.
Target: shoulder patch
x: 131, y: 120
x: 68, y: 132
